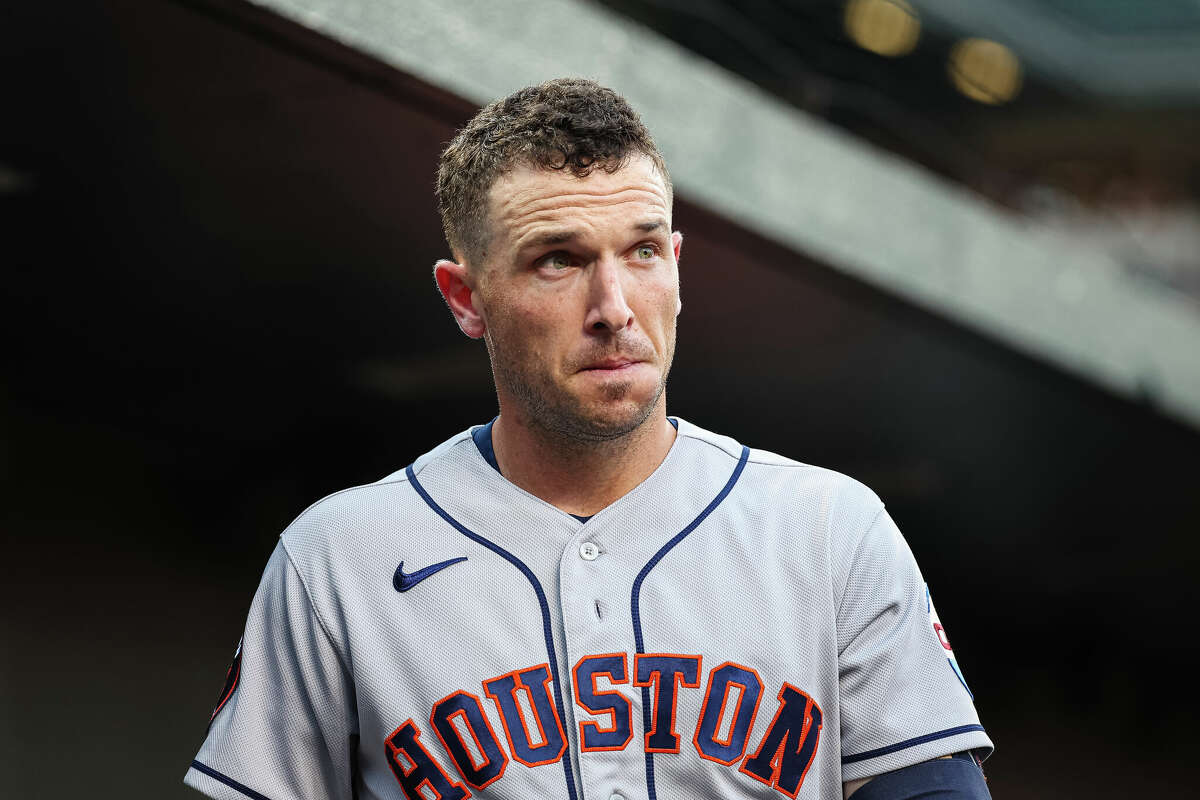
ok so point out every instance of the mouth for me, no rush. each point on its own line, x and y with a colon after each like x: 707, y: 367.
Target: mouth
x: 611, y: 365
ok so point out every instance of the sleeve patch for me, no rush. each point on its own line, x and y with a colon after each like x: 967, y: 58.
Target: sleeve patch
x: 939, y: 631
x: 231, y: 682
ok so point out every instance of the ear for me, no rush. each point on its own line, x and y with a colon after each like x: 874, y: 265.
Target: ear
x: 456, y: 283
x: 677, y: 246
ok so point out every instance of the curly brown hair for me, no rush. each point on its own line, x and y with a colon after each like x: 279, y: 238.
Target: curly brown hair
x: 567, y: 123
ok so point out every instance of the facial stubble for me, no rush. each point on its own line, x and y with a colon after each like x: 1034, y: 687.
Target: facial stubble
x: 558, y: 414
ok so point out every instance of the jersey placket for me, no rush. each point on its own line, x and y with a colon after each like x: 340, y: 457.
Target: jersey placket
x: 598, y: 643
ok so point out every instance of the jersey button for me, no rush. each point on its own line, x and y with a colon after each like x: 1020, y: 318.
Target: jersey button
x: 589, y: 551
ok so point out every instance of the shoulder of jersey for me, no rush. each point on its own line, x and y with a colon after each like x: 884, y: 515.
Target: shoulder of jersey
x: 765, y: 468
x: 347, y: 518
x: 812, y: 501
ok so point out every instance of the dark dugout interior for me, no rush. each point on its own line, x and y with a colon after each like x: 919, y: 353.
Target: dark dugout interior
x: 218, y: 236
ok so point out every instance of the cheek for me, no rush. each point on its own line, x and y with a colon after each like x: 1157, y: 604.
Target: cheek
x: 528, y: 329
x: 662, y: 302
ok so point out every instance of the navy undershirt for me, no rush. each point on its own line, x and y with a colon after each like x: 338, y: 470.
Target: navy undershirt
x: 956, y: 778
x: 483, y: 441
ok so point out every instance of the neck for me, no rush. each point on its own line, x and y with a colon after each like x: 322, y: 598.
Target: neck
x: 580, y: 477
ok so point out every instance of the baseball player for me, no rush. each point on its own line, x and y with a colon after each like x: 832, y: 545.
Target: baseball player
x: 586, y: 598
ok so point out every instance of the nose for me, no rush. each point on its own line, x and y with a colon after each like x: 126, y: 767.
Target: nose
x: 607, y: 308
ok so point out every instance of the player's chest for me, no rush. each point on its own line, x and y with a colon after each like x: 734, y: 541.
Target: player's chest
x: 721, y: 589
x: 601, y: 653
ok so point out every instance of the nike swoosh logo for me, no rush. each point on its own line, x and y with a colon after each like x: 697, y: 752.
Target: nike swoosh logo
x: 403, y: 581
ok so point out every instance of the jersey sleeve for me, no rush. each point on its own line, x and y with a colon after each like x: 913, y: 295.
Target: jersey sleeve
x: 283, y: 727
x: 903, y: 699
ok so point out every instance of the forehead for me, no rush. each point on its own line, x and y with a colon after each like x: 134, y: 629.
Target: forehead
x: 529, y: 198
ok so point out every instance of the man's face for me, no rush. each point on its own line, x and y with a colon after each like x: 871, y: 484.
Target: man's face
x: 578, y: 292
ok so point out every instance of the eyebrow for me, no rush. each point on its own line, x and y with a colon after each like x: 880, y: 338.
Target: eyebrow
x: 562, y: 237
x: 547, y: 239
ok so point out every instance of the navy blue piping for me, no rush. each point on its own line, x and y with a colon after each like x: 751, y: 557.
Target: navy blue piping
x: 228, y: 781
x: 541, y: 596
x: 636, y: 603
x: 929, y: 737
x: 482, y: 436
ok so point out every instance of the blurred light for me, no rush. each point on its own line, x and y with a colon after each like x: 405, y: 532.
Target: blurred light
x: 985, y: 71
x: 885, y: 27
x: 13, y: 181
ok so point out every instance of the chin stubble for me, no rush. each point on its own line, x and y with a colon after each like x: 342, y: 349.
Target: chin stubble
x: 558, y: 414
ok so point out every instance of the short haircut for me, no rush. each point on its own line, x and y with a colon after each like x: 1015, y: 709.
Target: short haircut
x: 567, y: 123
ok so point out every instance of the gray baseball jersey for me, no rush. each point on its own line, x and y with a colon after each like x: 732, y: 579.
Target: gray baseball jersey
x: 739, y: 625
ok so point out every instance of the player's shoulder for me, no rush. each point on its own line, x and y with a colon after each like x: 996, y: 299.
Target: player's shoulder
x: 827, y: 503
x: 352, y: 517
x: 765, y: 468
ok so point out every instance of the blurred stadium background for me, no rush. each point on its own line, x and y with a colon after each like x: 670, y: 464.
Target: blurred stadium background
x: 951, y: 249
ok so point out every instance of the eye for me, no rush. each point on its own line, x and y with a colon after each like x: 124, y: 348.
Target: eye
x: 556, y: 261
x: 645, y: 252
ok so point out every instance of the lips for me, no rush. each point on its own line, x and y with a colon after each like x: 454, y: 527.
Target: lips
x: 616, y: 362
